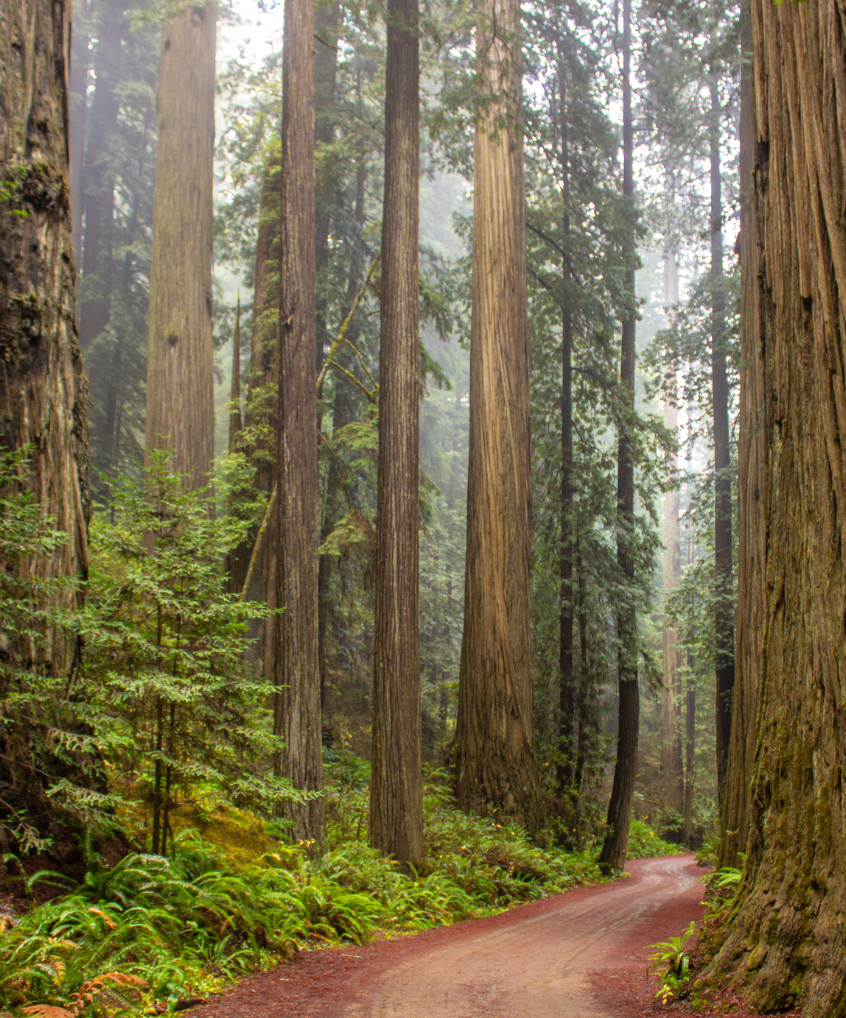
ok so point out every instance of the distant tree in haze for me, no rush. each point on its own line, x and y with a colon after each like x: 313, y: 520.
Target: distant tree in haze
x: 180, y: 411
x: 495, y: 764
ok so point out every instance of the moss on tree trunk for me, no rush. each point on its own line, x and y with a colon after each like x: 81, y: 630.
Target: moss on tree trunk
x: 786, y: 940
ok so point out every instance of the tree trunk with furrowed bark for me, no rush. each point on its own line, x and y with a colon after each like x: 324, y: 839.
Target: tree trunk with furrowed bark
x: 297, y: 716
x: 180, y: 408
x: 495, y: 764
x: 785, y: 940
x: 43, y: 391
x: 396, y: 784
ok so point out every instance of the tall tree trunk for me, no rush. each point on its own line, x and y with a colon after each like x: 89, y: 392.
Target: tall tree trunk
x: 99, y: 182
x: 690, y: 758
x: 43, y: 391
x: 494, y: 739
x: 78, y: 105
x: 396, y: 783
x: 326, y: 19
x: 180, y: 408
x: 615, y: 845
x: 755, y: 421
x: 238, y: 558
x: 297, y: 676
x: 723, y: 594
x: 569, y: 693
x: 672, y: 768
x: 785, y: 939
x: 261, y: 417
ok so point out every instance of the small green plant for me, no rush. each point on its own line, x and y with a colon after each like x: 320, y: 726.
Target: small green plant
x: 673, y: 957
x: 644, y: 843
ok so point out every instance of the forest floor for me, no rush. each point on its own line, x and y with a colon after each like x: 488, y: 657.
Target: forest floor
x: 580, y: 954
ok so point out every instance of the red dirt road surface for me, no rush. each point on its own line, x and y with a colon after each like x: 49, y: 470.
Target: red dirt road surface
x: 582, y: 954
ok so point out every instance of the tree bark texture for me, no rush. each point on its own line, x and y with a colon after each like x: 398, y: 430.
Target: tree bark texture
x: 786, y: 931
x: 494, y: 741
x: 615, y: 845
x: 396, y: 783
x: 297, y: 678
x: 723, y: 599
x: 180, y: 408
x: 754, y: 425
x: 43, y: 390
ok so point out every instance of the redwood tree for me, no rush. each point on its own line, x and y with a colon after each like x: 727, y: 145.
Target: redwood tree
x: 396, y: 784
x: 785, y: 939
x: 297, y: 709
x: 495, y: 764
x: 180, y: 409
x: 43, y: 391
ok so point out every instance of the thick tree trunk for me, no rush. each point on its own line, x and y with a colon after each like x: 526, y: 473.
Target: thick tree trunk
x: 396, y: 783
x: 785, y: 940
x: 43, y: 392
x: 723, y: 594
x: 755, y: 422
x: 297, y: 676
x: 615, y: 846
x: 672, y: 768
x: 180, y: 408
x: 494, y: 741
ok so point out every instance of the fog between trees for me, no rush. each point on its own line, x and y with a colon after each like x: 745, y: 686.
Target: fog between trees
x: 517, y: 332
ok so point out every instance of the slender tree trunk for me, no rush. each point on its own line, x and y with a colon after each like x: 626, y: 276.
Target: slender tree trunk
x: 396, y: 784
x: 238, y: 558
x: 568, y: 702
x: 342, y: 414
x: 690, y: 758
x: 785, y: 942
x: 261, y: 418
x: 297, y: 676
x: 494, y: 739
x: 99, y: 182
x: 615, y: 846
x: 78, y: 105
x: 755, y: 419
x: 724, y: 607
x: 180, y: 409
x: 326, y: 21
x: 672, y: 768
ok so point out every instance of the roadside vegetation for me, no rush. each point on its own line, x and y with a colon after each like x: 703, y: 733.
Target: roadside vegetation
x: 152, y: 933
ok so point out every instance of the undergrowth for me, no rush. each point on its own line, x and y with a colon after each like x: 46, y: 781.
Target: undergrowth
x: 151, y: 933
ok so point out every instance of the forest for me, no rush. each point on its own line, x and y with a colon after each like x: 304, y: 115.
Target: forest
x: 422, y: 479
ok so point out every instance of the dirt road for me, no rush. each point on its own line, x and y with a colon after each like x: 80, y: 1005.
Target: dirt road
x: 581, y: 954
